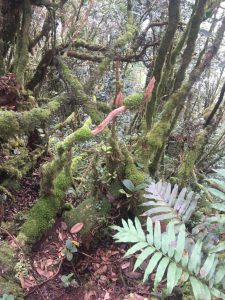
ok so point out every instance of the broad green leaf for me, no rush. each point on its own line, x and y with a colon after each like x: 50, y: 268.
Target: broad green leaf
x: 157, y: 235
x: 211, y: 275
x: 159, y: 209
x: 187, y: 214
x: 171, y: 277
x: 179, y: 273
x: 136, y: 248
x: 195, y: 258
x: 150, y: 231
x: 205, y: 269
x: 185, y: 259
x: 162, y: 217
x: 171, y: 239
x: 180, y: 199
x: 206, y: 292
x: 139, y: 229
x: 220, y: 172
x: 160, y: 271
x: 217, y: 193
x: 141, y: 257
x: 180, y: 244
x: 197, y: 288
x: 218, y: 206
x: 125, y: 225
x: 132, y: 228
x: 173, y: 195
x: 218, y: 182
x: 218, y: 248
x: 220, y: 274
x: 217, y: 293
x: 128, y: 185
x: 151, y: 265
x: 165, y: 243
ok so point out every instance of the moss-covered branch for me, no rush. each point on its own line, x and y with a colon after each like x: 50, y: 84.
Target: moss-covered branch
x: 155, y: 138
x: 187, y: 166
x: 191, y: 39
x: 13, y: 123
x: 21, y: 55
x: 174, y: 13
x: 78, y: 92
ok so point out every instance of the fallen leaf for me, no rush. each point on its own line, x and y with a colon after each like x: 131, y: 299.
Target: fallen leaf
x: 133, y: 275
x: 46, y: 274
x: 76, y: 228
x: 64, y: 226
x: 125, y: 265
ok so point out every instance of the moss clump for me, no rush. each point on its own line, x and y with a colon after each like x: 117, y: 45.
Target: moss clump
x: 90, y: 212
x: 80, y: 135
x: 186, y: 168
x: 133, y: 101
x: 41, y: 217
x: 104, y: 65
x: 79, y: 93
x: 9, y: 125
x: 8, y: 282
x: 115, y: 188
x: 132, y: 173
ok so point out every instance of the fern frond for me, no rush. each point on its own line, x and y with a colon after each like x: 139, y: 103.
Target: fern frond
x: 166, y: 254
x: 167, y: 204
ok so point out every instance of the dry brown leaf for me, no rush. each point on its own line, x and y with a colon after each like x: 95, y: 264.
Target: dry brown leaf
x: 125, y: 265
x: 46, y: 274
x: 76, y: 228
x: 64, y: 226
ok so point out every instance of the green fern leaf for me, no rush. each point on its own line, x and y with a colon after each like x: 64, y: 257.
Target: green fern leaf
x: 166, y: 254
x: 205, y: 269
x: 141, y: 258
x: 220, y: 274
x: 171, y: 277
x: 195, y: 258
x: 171, y: 239
x: 166, y: 204
x: 140, y: 231
x: 150, y: 231
x: 180, y: 244
x: 157, y: 235
x: 135, y: 248
x: 160, y: 271
x: 152, y: 264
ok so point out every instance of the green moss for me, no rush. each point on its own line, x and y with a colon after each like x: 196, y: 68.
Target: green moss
x: 8, y: 282
x: 41, y: 217
x: 12, y: 123
x: 90, y: 212
x: 80, y: 135
x: 114, y: 189
x: 186, y: 168
x: 9, y: 125
x: 133, y: 101
x: 132, y: 173
x: 79, y: 93
x: 104, y: 65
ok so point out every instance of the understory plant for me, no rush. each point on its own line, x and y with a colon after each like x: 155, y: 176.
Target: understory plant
x: 166, y: 253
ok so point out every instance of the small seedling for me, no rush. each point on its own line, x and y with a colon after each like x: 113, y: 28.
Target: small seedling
x: 69, y: 249
x: 131, y: 188
x: 7, y: 297
x: 68, y: 280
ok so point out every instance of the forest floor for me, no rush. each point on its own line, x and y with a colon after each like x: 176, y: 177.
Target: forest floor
x: 98, y: 272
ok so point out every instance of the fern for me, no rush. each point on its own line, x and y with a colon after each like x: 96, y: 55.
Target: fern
x: 167, y: 255
x: 167, y: 204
